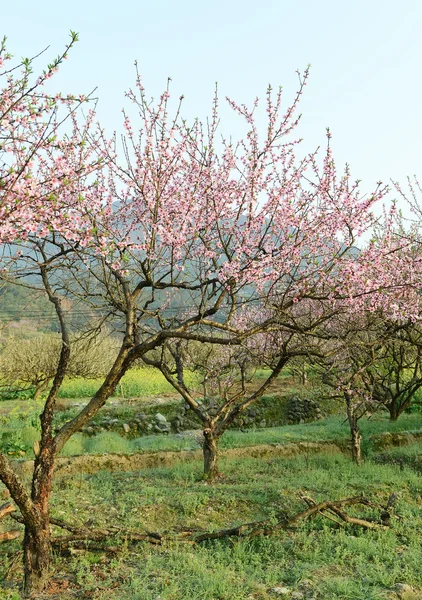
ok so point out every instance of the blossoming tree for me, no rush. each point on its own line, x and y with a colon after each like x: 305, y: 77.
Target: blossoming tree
x: 182, y: 238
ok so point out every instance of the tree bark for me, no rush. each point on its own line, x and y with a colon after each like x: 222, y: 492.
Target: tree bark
x: 210, y: 448
x: 356, y: 438
x: 37, y: 538
x: 394, y: 414
x: 36, y: 558
x: 396, y: 408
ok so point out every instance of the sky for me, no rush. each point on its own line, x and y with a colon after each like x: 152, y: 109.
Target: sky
x: 365, y: 56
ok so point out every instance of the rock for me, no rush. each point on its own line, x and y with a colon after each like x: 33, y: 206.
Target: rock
x: 297, y: 596
x: 126, y: 427
x: 160, y: 418
x: 281, y: 591
x: 163, y: 427
x: 402, y: 587
x: 405, y: 591
x: 306, y: 584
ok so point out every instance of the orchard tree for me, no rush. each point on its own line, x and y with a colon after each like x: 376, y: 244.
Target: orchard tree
x: 33, y: 362
x: 382, y: 357
x: 396, y: 375
x: 347, y: 356
x: 225, y: 388
x: 180, y: 239
x: 45, y: 164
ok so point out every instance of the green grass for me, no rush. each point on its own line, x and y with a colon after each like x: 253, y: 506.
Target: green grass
x: 19, y: 432
x: 136, y: 382
x: 341, y: 563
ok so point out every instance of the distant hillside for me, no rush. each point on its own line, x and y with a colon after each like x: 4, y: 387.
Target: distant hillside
x: 25, y: 312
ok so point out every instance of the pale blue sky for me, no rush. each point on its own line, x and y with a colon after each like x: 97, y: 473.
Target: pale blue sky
x: 366, y: 61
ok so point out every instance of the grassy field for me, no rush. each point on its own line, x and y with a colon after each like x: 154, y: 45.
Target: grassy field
x: 136, y: 382
x: 332, y: 428
x: 19, y: 432
x: 331, y: 562
x: 317, y: 560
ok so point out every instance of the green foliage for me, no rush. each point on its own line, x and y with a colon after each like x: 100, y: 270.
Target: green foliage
x: 15, y: 393
x: 74, y: 446
x: 108, y: 442
x: 20, y: 428
x: 136, y: 382
x: 416, y: 406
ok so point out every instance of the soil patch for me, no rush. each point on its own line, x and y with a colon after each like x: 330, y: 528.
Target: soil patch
x: 91, y: 463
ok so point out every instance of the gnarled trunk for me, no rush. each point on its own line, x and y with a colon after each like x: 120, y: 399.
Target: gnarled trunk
x: 395, y: 408
x: 210, y: 448
x: 36, y: 558
x: 37, y: 542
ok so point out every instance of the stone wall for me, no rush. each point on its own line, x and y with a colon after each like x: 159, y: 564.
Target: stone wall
x: 177, y: 417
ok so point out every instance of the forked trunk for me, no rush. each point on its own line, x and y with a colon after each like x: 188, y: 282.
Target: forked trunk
x: 394, y: 411
x: 210, y: 448
x: 36, y: 559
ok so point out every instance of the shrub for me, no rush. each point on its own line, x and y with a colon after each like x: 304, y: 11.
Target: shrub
x: 108, y: 442
x: 74, y: 446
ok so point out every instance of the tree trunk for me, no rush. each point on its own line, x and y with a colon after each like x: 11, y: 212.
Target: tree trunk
x: 37, y: 539
x: 36, y: 559
x: 210, y: 448
x: 356, y: 444
x: 303, y: 376
x: 356, y: 436
x: 393, y: 415
x: 395, y: 408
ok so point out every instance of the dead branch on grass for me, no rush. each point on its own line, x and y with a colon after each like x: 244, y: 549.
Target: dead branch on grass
x: 84, y: 538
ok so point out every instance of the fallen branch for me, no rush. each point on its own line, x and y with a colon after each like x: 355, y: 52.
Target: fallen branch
x: 6, y: 536
x: 93, y: 535
x: 354, y: 520
x: 327, y: 504
x: 6, y: 509
x: 83, y: 538
x: 10, y: 535
x: 268, y: 528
